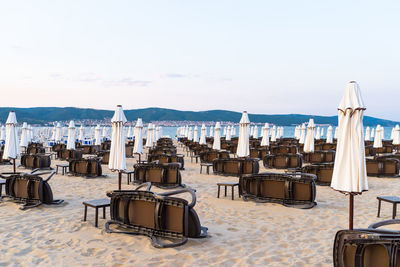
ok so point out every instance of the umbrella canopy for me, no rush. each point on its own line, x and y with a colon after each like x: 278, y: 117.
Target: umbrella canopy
x: 265, y: 135
x: 329, y: 136
x: 367, y: 134
x: 130, y: 132
x: 318, y: 133
x: 24, y: 135
x: 149, y: 137
x: 378, y: 137
x: 58, y: 134
x: 203, y: 135
x: 396, y: 135
x: 243, y: 149
x: 211, y: 131
x: 255, y: 132
x: 228, y: 134
x: 97, y: 133
x: 81, y: 133
x: 297, y: 132
x: 372, y: 133
x: 336, y: 133
x: 117, y: 159
x: 322, y: 132
x: 11, y: 147
x: 302, y: 134
x: 138, y: 146
x: 232, y: 131
x: 217, y: 137
x: 2, y: 133
x: 104, y: 133
x: 195, y: 135
x: 349, y: 172
x: 190, y: 134
x: 273, y: 134
x: 71, y: 135
x: 309, y: 142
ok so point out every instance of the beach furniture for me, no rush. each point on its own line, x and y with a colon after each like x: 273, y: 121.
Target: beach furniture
x: 96, y: 204
x: 209, y: 156
x: 69, y: 154
x: 319, y: 156
x: 391, y: 199
x: 161, y: 175
x: 236, y: 166
x: 283, y: 149
x: 36, y: 161
x: 323, y: 172
x: 58, y: 147
x: 29, y: 188
x: 86, y: 167
x: 383, y: 167
x: 283, y: 161
x: 231, y: 185
x: 63, y: 167
x: 159, y: 216
x: 104, y: 155
x: 293, y: 190
x: 168, y: 158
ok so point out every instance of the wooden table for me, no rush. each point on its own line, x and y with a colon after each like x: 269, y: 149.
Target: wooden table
x: 226, y: 184
x: 205, y: 164
x: 394, y: 200
x: 96, y: 203
x: 63, y: 166
x: 2, y: 182
x: 128, y: 175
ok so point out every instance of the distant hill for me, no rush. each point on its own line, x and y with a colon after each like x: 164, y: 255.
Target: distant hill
x: 42, y: 115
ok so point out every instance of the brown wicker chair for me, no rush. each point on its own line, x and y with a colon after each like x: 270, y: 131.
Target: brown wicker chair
x: 322, y: 171
x: 160, y: 175
x: 104, y: 155
x: 319, y: 157
x: 167, y: 158
x: 383, y: 167
x: 69, y: 154
x: 292, y: 190
x: 288, y: 161
x: 89, y: 167
x: 58, y: 147
x: 235, y: 166
x: 209, y: 156
x: 36, y: 161
x: 325, y: 146
x: 283, y: 150
x: 158, y: 216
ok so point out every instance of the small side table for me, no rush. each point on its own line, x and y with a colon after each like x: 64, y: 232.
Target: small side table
x: 394, y: 200
x: 205, y: 164
x: 96, y: 203
x: 64, y: 168
x: 226, y: 184
x: 128, y: 175
x: 194, y: 157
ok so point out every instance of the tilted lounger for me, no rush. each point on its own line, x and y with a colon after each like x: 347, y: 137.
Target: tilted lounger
x: 236, y: 166
x: 161, y: 175
x: 325, y: 146
x: 319, y: 156
x: 104, y: 155
x: 29, y: 188
x: 168, y: 158
x: 209, y: 156
x: 283, y: 150
x: 35, y: 150
x: 293, y: 190
x: 367, y: 247
x: 89, y: 149
x: 158, y: 216
x: 58, y: 147
x: 69, y: 154
x: 279, y: 161
x: 323, y: 172
x: 89, y: 167
x: 379, y: 167
x: 36, y: 161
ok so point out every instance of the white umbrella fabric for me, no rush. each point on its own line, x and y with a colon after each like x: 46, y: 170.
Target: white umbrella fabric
x: 329, y: 136
x: 138, y: 147
x: 203, y: 135
x: 211, y: 131
x: 71, y: 135
x: 58, y: 134
x: 149, y: 136
x: 24, y: 135
x: 228, y: 134
x: 349, y: 172
x: 2, y: 133
x: 81, y: 133
x: 117, y: 160
x: 217, y: 137
x: 243, y: 149
x: 195, y: 135
x: 265, y: 135
x: 309, y: 142
x: 378, y: 137
x: 302, y: 134
x: 11, y: 147
x: 367, y: 134
x: 97, y: 133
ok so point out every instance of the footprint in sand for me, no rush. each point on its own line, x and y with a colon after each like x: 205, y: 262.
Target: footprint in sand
x: 232, y: 229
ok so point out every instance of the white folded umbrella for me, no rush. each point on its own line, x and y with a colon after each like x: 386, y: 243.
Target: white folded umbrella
x: 190, y: 134
x: 138, y: 147
x: 117, y: 160
x: 81, y: 133
x: 24, y: 136
x: 373, y: 133
x: 149, y: 136
x: 273, y: 134
x: 211, y: 131
x: 322, y: 132
x: 255, y: 132
x: 71, y: 136
x: 329, y: 136
x: 349, y: 172
x: 58, y: 133
x: 309, y: 142
x: 203, y: 135
x: 378, y: 137
x: 217, y: 137
x: 228, y: 134
x: 97, y: 135
x: 195, y: 135
x: 2, y: 133
x: 396, y: 135
x: 243, y: 148
x: 367, y: 134
x: 265, y: 135
x: 318, y: 134
x: 302, y: 134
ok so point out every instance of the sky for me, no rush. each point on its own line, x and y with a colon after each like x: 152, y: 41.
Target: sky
x: 269, y: 57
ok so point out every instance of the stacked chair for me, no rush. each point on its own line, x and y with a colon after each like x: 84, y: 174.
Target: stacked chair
x: 85, y: 167
x: 236, y: 166
x: 36, y: 161
x: 161, y: 175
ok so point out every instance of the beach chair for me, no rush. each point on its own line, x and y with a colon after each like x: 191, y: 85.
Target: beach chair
x: 235, y: 166
x: 89, y: 167
x: 37, y: 161
x: 367, y: 247
x: 383, y: 167
x: 104, y: 155
x: 283, y: 150
x: 163, y: 217
x: 323, y: 172
x: 58, y: 147
x: 319, y: 156
x: 292, y: 190
x: 30, y: 189
x: 69, y: 154
x: 285, y: 161
x: 160, y: 175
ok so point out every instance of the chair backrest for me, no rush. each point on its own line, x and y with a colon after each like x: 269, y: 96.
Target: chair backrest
x: 236, y: 166
x: 160, y: 175
x: 35, y: 161
x: 285, y: 161
x: 383, y: 166
x: 90, y: 167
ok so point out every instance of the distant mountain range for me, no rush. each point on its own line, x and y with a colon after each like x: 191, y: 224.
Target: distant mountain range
x: 42, y: 115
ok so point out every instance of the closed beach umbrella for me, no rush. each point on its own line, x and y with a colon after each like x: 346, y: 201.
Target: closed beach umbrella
x: 2, y: 133
x: 149, y: 136
x: 211, y: 131
x: 349, y: 172
x: 391, y: 134
x: 318, y: 133
x: 273, y: 134
x: 195, y: 135
x: 297, y: 132
x: 81, y: 133
x: 378, y: 137
x: 24, y: 136
x: 217, y: 137
x: 117, y: 161
x: 396, y: 135
x: 302, y: 134
x: 58, y: 134
x: 255, y: 132
x: 138, y: 147
x: 367, y: 134
x: 265, y: 135
x: 130, y: 132
x: 190, y: 134
x: 322, y: 132
x: 203, y: 135
x: 97, y: 133
x: 336, y: 133
x: 243, y: 149
x: 228, y: 134
x: 232, y: 131
x: 372, y: 132
x: 329, y: 136
x: 309, y: 142
x: 104, y: 133
x: 71, y: 135
x: 11, y: 146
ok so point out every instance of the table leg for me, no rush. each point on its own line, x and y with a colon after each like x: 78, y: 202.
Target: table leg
x: 394, y: 210
x: 208, y: 169
x: 104, y: 212
x: 379, y: 208
x: 218, y: 190
x: 225, y: 190
x: 57, y: 170
x: 233, y: 189
x: 97, y: 217
x: 201, y: 168
x: 85, y: 214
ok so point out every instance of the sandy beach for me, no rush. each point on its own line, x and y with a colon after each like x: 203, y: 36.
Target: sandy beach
x: 240, y: 233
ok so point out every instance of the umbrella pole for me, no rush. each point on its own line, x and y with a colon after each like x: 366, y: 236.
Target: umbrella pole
x: 119, y: 180
x: 351, y: 211
x: 15, y: 170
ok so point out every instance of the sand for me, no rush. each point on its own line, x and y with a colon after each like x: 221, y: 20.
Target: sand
x: 240, y: 233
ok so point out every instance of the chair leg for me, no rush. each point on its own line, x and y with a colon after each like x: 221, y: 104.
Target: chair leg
x: 104, y: 212
x: 218, y: 190
x: 201, y: 168
x: 85, y: 214
x: 225, y: 190
x: 379, y: 208
x: 394, y: 210
x: 233, y: 189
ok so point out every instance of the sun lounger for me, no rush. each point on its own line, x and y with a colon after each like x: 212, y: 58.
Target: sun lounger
x: 161, y: 175
x: 209, y: 156
x: 69, y: 154
x: 319, y: 157
x: 288, y: 161
x: 292, y: 190
x: 322, y: 171
x: 383, y: 167
x: 58, y: 147
x: 29, y: 188
x: 168, y: 158
x: 89, y: 167
x: 236, y: 166
x: 165, y: 218
x: 283, y: 150
x: 37, y: 161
